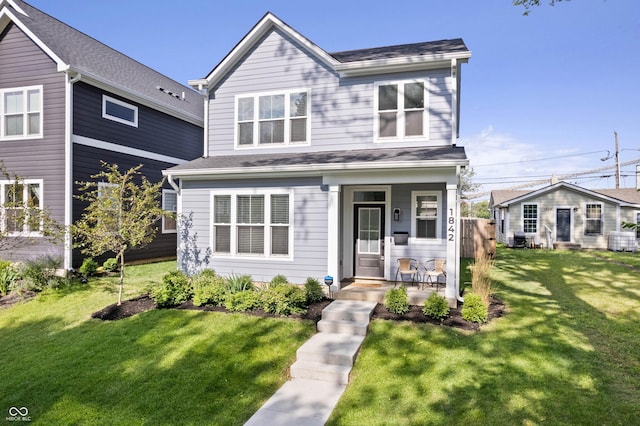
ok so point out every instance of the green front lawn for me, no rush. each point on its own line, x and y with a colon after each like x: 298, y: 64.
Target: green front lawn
x: 160, y: 367
x: 566, y: 352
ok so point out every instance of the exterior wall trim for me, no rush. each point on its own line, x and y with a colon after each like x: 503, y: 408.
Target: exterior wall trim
x: 108, y: 146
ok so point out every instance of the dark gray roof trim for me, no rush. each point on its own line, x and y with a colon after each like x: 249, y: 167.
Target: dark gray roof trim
x: 402, y: 50
x: 87, y: 55
x: 337, y: 158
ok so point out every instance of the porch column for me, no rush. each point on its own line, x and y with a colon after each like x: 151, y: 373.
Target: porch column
x: 452, y: 216
x: 333, y: 233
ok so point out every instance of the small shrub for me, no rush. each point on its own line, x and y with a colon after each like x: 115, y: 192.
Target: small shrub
x: 241, y: 301
x: 174, y: 289
x: 278, y: 280
x: 396, y: 301
x: 436, y: 307
x: 238, y: 283
x: 40, y: 272
x: 473, y: 309
x: 208, y: 288
x: 8, y: 277
x: 88, y: 267
x: 313, y: 290
x: 284, y: 299
x: 111, y: 265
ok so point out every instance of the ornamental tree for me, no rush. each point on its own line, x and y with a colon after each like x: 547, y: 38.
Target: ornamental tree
x: 122, y: 214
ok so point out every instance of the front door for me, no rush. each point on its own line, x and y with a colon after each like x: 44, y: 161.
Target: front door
x: 369, y: 241
x: 563, y: 225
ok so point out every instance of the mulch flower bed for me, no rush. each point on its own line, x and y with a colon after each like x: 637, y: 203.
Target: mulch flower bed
x: 145, y: 303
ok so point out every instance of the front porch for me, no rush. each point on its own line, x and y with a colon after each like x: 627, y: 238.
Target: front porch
x: 375, y: 290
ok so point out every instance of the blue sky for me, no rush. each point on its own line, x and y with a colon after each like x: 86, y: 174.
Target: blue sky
x: 542, y: 94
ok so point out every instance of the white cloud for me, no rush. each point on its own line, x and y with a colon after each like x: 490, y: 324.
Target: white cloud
x: 502, y: 161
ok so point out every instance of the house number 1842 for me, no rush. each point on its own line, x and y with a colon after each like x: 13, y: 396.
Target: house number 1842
x: 451, y: 221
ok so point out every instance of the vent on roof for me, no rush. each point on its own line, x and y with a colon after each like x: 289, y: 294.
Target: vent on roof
x: 170, y: 93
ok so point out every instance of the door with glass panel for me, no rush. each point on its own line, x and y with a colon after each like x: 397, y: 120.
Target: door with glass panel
x: 369, y: 241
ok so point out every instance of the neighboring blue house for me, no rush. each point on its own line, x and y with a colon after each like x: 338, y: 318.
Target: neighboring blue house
x: 68, y: 101
x: 315, y: 160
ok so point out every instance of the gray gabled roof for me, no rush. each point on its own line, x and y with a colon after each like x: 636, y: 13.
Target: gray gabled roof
x: 95, y: 60
x: 621, y: 195
x: 402, y: 50
x: 324, y: 160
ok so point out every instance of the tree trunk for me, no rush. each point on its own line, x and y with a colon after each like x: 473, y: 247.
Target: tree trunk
x: 121, y: 256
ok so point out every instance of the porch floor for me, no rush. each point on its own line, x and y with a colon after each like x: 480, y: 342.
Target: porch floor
x: 374, y: 290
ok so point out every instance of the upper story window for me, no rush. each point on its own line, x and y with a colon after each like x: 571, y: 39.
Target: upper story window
x: 122, y: 112
x: 593, y: 219
x: 21, y: 208
x: 530, y: 218
x: 401, y: 110
x: 272, y: 118
x: 426, y: 214
x: 21, y: 113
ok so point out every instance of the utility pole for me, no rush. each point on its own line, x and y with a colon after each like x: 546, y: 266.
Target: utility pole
x: 617, y: 161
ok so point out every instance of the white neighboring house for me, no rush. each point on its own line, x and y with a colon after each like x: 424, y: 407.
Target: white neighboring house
x: 568, y: 215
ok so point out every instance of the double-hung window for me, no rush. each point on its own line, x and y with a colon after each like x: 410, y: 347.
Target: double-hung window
x: 272, y: 118
x: 252, y: 224
x: 593, y: 219
x: 21, y: 113
x: 170, y: 205
x: 530, y: 218
x: 21, y: 207
x: 401, y: 110
x: 426, y: 215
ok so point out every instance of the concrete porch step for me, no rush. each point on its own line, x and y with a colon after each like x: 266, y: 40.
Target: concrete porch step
x: 342, y: 310
x: 353, y: 328
x: 333, y: 373
x: 330, y: 348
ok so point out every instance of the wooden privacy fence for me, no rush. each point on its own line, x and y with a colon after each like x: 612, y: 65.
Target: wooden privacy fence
x: 478, y: 238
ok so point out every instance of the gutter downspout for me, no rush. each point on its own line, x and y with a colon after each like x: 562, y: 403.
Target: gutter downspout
x: 173, y: 184
x: 204, y: 91
x: 68, y: 166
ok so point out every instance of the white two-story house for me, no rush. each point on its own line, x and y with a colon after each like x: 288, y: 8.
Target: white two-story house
x: 318, y: 163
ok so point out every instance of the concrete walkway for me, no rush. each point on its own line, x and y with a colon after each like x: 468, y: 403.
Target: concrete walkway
x: 321, y: 372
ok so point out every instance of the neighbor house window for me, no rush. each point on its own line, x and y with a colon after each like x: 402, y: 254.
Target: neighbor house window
x: 273, y: 118
x: 21, y: 207
x: 401, y: 110
x: 255, y: 224
x: 530, y: 218
x: 21, y: 113
x: 117, y: 110
x: 426, y: 215
x: 638, y: 225
x: 169, y: 204
x: 593, y: 219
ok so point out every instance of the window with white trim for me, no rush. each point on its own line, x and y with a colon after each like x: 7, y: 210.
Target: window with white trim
x: 593, y: 219
x: 426, y: 215
x: 272, y: 118
x: 252, y: 224
x: 169, y: 204
x: 638, y: 225
x: 21, y: 113
x: 117, y: 110
x: 530, y: 218
x: 22, y: 206
x: 401, y: 110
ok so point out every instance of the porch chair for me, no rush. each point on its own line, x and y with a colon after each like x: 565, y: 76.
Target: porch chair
x: 407, y: 266
x: 434, y: 268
